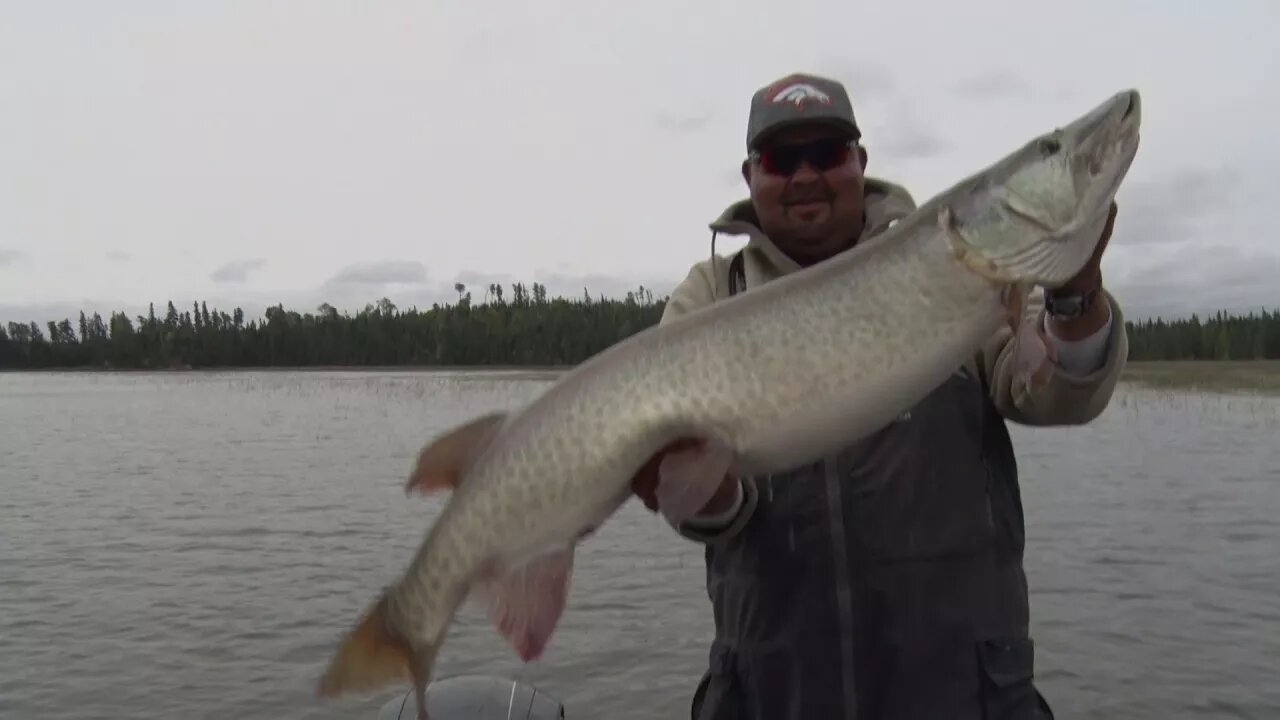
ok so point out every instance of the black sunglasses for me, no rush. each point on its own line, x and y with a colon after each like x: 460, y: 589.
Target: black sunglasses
x: 822, y: 155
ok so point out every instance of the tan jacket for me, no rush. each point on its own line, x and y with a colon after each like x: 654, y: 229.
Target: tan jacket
x: 1066, y: 400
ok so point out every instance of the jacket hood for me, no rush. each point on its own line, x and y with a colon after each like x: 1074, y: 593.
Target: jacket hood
x: 885, y: 202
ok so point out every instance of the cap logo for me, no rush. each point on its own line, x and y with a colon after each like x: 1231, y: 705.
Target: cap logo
x: 800, y: 93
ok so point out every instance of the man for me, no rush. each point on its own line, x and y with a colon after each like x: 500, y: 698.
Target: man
x: 885, y: 582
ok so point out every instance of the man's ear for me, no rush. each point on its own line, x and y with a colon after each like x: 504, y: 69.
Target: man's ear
x: 862, y: 157
x: 746, y: 171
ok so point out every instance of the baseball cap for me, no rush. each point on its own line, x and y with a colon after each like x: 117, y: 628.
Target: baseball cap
x: 799, y: 98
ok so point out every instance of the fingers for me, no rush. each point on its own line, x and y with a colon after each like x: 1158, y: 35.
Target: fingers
x: 645, y: 483
x: 1106, y: 232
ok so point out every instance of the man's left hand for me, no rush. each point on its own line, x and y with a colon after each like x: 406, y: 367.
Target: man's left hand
x: 1090, y: 276
x: 1088, y: 279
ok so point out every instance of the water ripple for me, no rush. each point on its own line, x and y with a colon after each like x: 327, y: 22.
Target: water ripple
x: 193, y: 544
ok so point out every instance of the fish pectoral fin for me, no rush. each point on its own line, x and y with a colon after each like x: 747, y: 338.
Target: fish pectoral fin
x: 441, y: 462
x: 1033, y: 354
x: 526, y: 601
x: 689, y: 478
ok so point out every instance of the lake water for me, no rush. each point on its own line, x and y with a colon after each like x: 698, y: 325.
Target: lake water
x: 192, y: 545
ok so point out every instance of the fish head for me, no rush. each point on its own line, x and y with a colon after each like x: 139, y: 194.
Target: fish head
x: 1036, y: 216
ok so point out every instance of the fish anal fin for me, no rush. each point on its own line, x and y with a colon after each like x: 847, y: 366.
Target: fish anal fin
x: 371, y: 656
x: 688, y: 478
x: 1033, y: 354
x: 441, y: 462
x: 526, y: 601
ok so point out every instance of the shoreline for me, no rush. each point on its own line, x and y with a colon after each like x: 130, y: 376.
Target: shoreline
x: 1261, y: 376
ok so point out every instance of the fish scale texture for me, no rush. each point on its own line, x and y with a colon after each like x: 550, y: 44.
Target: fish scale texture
x: 565, y: 462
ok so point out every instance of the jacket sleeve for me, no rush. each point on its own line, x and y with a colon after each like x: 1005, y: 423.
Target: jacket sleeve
x: 694, y: 292
x: 1068, y: 398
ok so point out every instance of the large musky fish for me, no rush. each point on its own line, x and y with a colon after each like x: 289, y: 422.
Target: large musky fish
x: 767, y: 380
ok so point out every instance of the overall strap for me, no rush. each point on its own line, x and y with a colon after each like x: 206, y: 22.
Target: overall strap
x: 737, y: 274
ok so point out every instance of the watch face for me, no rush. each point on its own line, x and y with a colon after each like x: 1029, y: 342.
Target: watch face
x: 1066, y: 307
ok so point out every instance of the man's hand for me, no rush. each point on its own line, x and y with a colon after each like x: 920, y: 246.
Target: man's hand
x: 1089, y: 278
x: 645, y: 482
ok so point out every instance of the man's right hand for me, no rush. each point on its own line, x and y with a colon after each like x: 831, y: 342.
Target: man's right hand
x: 645, y: 482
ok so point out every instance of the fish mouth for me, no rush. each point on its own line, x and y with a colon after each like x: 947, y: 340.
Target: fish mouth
x: 1109, y: 141
x: 1116, y: 119
x: 1133, y: 111
x: 1127, y: 136
x: 1130, y: 122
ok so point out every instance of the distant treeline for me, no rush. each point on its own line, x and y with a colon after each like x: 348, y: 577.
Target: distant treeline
x: 1220, y: 337
x: 525, y: 328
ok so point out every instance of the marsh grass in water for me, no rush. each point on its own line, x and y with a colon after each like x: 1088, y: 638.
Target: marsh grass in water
x: 1230, y: 376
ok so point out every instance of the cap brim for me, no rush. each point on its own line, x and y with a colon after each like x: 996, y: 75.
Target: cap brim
x: 840, y: 124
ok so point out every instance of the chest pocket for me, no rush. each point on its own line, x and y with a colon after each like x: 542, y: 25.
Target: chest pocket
x: 919, y: 488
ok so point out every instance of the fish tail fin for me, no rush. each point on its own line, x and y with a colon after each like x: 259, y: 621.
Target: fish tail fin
x: 372, y: 655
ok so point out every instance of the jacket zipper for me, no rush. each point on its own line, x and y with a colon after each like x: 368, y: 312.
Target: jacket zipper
x: 844, y: 590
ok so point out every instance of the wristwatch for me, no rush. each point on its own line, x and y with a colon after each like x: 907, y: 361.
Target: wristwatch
x: 1069, y: 306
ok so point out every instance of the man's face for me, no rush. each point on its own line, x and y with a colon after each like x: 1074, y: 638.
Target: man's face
x: 813, y: 209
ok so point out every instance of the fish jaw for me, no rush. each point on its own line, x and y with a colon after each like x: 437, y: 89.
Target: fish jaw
x: 1035, y: 217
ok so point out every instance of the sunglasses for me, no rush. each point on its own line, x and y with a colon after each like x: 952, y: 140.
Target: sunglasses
x: 822, y: 155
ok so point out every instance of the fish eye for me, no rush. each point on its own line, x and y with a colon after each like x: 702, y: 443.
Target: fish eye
x: 1049, y: 146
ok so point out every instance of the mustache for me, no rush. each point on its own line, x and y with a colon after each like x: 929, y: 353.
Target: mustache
x: 806, y: 193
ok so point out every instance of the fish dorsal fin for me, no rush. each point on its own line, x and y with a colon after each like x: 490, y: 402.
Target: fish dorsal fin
x: 441, y: 462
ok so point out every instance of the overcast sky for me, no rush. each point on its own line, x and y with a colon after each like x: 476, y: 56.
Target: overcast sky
x: 254, y: 152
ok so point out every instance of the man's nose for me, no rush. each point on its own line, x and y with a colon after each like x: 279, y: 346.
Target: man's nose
x: 805, y: 173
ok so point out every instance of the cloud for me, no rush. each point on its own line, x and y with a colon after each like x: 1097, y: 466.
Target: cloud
x: 682, y: 124
x: 381, y: 272
x: 597, y: 284
x: 1183, y: 279
x: 899, y: 135
x: 1177, y: 207
x: 236, y: 271
x: 8, y: 256
x: 475, y: 278
x: 118, y: 256
x: 866, y: 80
x: 562, y: 284
x: 1201, y: 279
x: 42, y: 313
x: 993, y: 85
x: 910, y: 142
x: 201, y: 159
